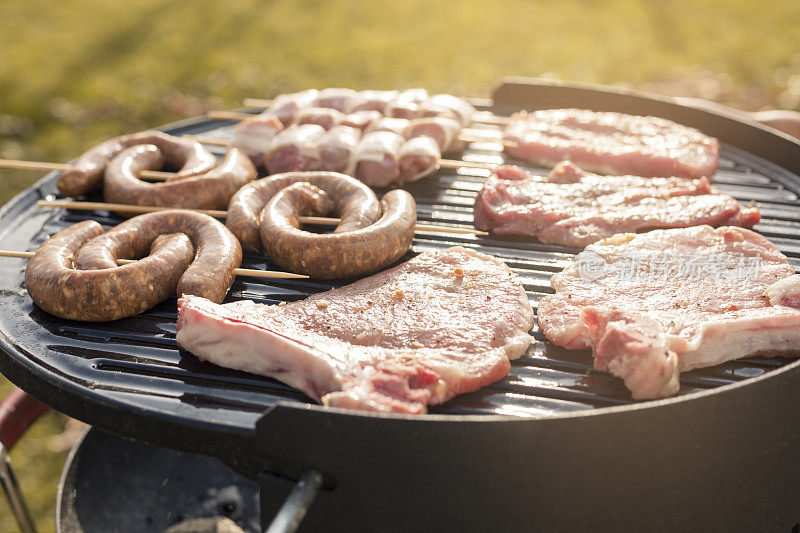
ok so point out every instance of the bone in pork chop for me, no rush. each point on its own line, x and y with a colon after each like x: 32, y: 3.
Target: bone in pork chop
x: 574, y: 208
x: 653, y: 305
x: 441, y: 324
x: 612, y: 143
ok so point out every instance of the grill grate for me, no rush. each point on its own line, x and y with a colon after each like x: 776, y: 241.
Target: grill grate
x: 137, y: 361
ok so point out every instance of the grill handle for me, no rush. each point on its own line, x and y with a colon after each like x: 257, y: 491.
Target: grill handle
x: 296, y: 506
x: 780, y: 119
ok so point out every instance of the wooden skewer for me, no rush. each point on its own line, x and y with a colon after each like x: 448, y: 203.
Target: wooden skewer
x: 233, y: 115
x: 141, y: 209
x: 443, y: 163
x: 484, y: 117
x: 239, y: 271
x: 40, y: 165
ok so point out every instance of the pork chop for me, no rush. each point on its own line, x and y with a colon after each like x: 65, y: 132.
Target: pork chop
x: 656, y: 304
x: 612, y: 143
x: 574, y: 208
x: 441, y: 324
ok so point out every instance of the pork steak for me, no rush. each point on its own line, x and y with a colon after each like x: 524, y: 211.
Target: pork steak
x: 575, y: 208
x: 612, y: 143
x: 656, y: 304
x: 441, y: 324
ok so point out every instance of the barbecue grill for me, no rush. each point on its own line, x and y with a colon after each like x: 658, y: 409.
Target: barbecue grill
x: 555, y: 445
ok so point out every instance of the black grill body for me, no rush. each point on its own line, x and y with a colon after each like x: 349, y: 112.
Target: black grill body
x: 555, y: 445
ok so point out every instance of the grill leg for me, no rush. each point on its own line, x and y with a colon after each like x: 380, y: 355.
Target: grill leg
x: 15, y: 499
x: 296, y: 506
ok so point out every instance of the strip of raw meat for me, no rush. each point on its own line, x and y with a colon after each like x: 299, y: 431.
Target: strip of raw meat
x: 612, y: 143
x: 574, y: 208
x: 254, y: 136
x: 337, y: 148
x: 419, y: 157
x: 656, y: 304
x: 441, y: 324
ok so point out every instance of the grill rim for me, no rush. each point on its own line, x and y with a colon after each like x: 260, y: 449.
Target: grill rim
x: 150, y: 424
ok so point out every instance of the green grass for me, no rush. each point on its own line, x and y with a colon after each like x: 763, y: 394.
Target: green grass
x: 76, y: 72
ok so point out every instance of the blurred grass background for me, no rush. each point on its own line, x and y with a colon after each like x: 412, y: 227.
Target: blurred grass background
x: 76, y: 72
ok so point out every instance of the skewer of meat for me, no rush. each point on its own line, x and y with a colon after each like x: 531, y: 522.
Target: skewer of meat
x: 295, y: 149
x: 336, y: 149
x: 419, y: 157
x: 141, y: 209
x: 376, y: 160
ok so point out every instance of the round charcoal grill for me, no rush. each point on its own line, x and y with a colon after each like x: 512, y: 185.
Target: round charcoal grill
x: 554, y: 445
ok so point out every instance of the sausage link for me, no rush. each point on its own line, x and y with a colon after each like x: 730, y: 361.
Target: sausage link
x: 355, y: 203
x: 75, y: 275
x: 209, y: 190
x: 86, y: 174
x: 342, y: 255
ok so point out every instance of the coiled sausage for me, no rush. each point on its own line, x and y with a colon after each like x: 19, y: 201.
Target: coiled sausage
x: 86, y: 174
x: 210, y: 190
x: 370, y: 236
x: 75, y: 274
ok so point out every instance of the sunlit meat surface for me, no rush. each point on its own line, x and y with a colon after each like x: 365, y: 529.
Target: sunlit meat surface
x: 335, y: 98
x: 419, y: 157
x: 656, y: 304
x: 448, y: 106
x: 612, y: 143
x: 406, y: 104
x: 361, y: 119
x: 322, y: 116
x: 371, y: 100
x: 286, y: 106
x: 295, y: 149
x: 337, y: 149
x: 441, y: 324
x: 376, y: 159
x: 254, y: 136
x: 444, y: 130
x: 574, y: 208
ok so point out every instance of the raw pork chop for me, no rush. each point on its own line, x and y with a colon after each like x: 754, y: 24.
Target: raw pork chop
x: 656, y: 304
x: 441, y: 324
x: 612, y: 143
x: 575, y: 208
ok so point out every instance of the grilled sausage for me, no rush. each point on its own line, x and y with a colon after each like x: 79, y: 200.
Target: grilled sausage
x: 335, y: 255
x: 356, y: 204
x: 75, y: 275
x: 86, y: 174
x: 210, y: 190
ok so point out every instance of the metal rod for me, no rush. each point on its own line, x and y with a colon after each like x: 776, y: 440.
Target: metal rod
x: 296, y: 506
x: 14, y: 495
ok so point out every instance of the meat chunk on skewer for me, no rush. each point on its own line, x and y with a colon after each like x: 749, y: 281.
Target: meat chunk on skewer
x: 406, y: 104
x: 322, y: 116
x: 376, y: 159
x: 398, y: 341
x: 448, y: 106
x: 337, y: 149
x: 395, y: 125
x: 372, y: 100
x: 286, y: 106
x: 362, y: 119
x: 295, y: 148
x: 254, y: 136
x: 335, y: 98
x: 444, y: 130
x: 419, y: 157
